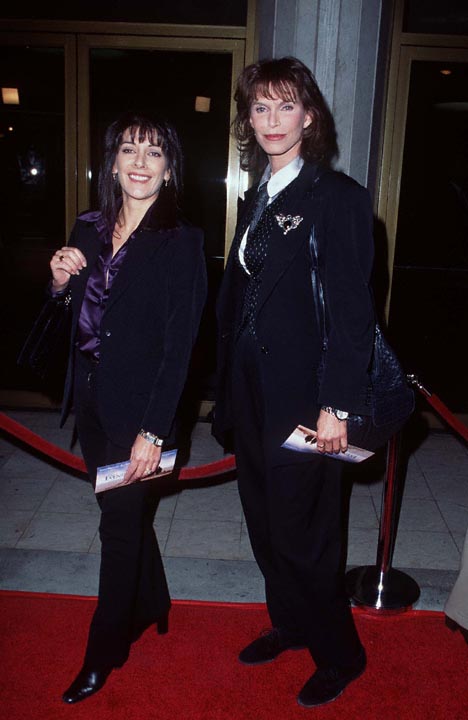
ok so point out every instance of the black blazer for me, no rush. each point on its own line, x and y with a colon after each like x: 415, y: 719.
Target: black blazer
x: 339, y: 211
x: 147, y: 331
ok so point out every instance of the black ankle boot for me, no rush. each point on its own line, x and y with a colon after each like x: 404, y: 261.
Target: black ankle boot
x: 162, y: 624
x: 86, y: 683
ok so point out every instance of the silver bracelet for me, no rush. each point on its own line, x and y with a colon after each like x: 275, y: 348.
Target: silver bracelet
x: 154, y: 439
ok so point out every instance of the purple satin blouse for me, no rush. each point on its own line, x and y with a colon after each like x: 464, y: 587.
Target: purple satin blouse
x: 98, y: 287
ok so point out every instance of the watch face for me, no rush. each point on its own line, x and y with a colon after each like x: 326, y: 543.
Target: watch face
x: 342, y: 414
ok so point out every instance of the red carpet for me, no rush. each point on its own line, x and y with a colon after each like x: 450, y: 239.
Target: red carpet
x: 418, y: 669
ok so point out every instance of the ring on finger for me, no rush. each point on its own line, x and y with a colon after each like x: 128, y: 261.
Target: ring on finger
x: 148, y: 471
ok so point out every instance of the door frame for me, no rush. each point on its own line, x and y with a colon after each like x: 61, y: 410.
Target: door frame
x: 85, y: 43
x: 77, y: 37
x: 406, y: 48
x: 68, y: 43
x: 240, y: 41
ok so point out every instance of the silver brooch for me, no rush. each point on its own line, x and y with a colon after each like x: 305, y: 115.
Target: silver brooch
x: 288, y: 222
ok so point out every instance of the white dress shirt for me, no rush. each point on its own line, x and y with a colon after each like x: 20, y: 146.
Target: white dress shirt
x: 276, y: 183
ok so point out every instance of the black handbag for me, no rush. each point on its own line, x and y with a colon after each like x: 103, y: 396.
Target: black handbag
x: 388, y: 397
x: 49, y: 334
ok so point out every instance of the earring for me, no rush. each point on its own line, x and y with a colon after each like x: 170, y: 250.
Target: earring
x: 115, y: 177
x: 166, y: 182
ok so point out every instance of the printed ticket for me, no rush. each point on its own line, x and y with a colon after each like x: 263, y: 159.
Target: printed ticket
x: 111, y: 476
x: 304, y: 440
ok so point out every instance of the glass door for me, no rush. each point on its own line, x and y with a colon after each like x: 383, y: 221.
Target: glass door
x: 190, y: 82
x: 65, y: 89
x: 428, y: 228
x: 37, y: 198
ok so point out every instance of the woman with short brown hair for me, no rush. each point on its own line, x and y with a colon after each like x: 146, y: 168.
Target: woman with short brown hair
x: 275, y: 375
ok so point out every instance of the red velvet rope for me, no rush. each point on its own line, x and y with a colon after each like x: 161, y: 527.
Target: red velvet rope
x: 66, y: 458
x: 445, y: 413
x: 200, y: 471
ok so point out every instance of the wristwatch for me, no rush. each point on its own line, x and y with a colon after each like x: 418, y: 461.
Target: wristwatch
x: 151, y: 437
x: 340, y: 415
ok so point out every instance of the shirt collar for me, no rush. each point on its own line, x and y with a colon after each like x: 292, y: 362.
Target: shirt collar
x: 95, y: 217
x: 172, y: 219
x: 282, y: 178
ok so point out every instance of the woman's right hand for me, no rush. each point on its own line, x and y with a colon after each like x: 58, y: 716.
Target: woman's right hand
x: 65, y: 262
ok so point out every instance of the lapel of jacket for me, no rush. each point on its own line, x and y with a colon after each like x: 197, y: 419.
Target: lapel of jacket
x: 89, y: 243
x: 140, y: 250
x: 233, y: 270
x: 283, y: 247
x: 244, y: 218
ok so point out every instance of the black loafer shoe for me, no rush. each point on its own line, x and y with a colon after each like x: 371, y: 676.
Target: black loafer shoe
x: 268, y: 646
x: 86, y: 683
x: 327, y: 684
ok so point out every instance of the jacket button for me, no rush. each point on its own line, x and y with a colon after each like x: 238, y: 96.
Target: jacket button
x: 108, y: 333
x: 264, y: 350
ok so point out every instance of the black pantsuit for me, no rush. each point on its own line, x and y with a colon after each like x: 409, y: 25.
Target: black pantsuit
x: 271, y: 379
x: 133, y: 591
x: 147, y: 331
x: 293, y: 515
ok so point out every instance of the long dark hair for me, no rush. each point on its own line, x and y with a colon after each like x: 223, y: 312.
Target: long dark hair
x: 289, y: 79
x: 164, y: 210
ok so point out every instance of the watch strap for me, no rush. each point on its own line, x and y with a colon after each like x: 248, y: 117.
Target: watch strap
x: 340, y: 415
x: 151, y: 437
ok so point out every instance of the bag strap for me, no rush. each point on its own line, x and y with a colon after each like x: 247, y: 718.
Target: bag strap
x: 319, y: 295
x: 317, y: 288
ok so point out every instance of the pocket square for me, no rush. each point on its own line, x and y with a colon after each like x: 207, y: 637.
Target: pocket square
x: 288, y: 222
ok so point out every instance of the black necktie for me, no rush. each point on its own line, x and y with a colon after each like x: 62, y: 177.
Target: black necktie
x: 255, y: 252
x: 261, y: 201
x: 255, y: 249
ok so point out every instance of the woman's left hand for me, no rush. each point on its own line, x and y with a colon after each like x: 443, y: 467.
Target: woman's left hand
x: 144, y: 460
x: 332, y: 434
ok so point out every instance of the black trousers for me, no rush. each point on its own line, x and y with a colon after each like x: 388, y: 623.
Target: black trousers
x: 294, y: 518
x: 133, y: 591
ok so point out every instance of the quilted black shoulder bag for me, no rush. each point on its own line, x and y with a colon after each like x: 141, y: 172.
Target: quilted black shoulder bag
x: 388, y: 396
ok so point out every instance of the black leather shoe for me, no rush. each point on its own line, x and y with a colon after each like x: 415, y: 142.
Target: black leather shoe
x: 268, y: 646
x: 162, y: 624
x: 454, y: 626
x: 86, y: 683
x: 326, y: 684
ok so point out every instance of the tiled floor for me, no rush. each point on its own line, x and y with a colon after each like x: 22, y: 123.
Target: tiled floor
x: 49, y: 520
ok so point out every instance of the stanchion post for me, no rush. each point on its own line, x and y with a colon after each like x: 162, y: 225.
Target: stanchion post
x: 389, y: 509
x: 379, y: 587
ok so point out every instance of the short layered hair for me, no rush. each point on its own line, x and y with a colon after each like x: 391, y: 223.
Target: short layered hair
x: 289, y: 79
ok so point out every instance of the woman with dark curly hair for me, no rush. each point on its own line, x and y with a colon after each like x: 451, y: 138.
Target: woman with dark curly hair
x: 274, y: 374
x: 135, y: 274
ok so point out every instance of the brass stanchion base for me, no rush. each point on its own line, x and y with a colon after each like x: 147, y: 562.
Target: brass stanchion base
x: 391, y: 591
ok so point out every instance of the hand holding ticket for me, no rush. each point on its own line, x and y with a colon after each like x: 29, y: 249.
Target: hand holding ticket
x: 303, y: 439
x: 111, y: 476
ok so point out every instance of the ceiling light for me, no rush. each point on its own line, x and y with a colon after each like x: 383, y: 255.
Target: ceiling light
x: 446, y: 71
x: 202, y: 104
x: 10, y: 96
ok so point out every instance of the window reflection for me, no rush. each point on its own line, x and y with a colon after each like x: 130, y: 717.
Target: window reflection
x: 177, y: 85
x: 32, y: 192
x: 32, y: 186
x: 430, y: 285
